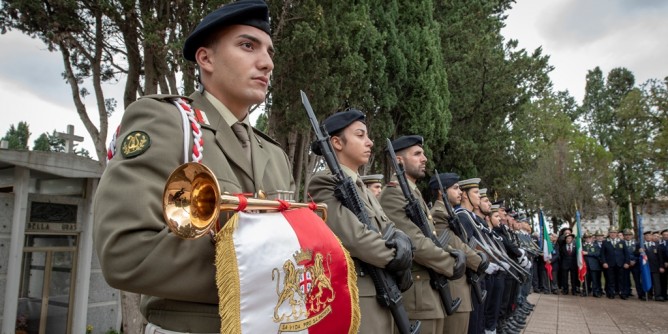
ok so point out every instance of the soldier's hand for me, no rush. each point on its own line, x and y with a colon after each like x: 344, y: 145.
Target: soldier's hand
x: 403, y: 257
x: 504, y: 265
x: 492, y: 268
x: 404, y: 279
x: 484, y: 264
x: 661, y: 270
x: 626, y: 266
x: 459, y: 269
x: 605, y: 266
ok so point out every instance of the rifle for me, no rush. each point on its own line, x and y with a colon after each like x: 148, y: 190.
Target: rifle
x: 387, y: 291
x: 472, y: 277
x: 417, y: 216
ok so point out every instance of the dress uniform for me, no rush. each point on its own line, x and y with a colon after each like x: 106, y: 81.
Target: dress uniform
x: 663, y: 248
x: 137, y: 252
x: 363, y: 244
x: 459, y: 288
x: 632, y: 247
x: 615, y: 258
x: 655, y: 260
x: 422, y: 301
x: 593, y: 260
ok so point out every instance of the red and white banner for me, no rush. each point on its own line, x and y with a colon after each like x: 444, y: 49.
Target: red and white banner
x: 284, y: 272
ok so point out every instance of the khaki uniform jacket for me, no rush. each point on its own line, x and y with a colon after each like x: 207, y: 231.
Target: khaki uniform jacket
x: 422, y: 302
x: 362, y: 243
x: 458, y: 288
x: 137, y: 251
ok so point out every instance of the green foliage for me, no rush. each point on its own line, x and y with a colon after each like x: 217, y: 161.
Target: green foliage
x: 18, y: 136
x: 262, y: 122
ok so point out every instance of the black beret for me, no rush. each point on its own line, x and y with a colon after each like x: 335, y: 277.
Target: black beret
x: 404, y: 142
x: 334, y: 124
x: 447, y: 179
x: 254, y: 13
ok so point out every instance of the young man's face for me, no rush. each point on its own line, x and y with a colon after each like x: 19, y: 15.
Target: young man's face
x: 613, y: 235
x: 375, y: 188
x: 628, y: 237
x: 473, y: 195
x: 495, y: 219
x: 454, y: 195
x: 353, y: 145
x: 236, y: 68
x: 485, y: 205
x: 664, y: 235
x: 414, y: 160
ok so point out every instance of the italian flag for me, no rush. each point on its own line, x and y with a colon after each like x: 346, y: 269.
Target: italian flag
x: 547, y: 245
x: 284, y: 272
x: 577, y: 230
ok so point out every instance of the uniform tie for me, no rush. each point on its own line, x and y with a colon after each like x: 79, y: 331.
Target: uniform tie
x: 241, y: 132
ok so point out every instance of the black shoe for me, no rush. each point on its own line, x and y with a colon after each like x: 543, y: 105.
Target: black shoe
x: 611, y: 296
x: 623, y: 297
x: 555, y: 292
x: 659, y: 299
x: 564, y: 292
x: 519, y: 321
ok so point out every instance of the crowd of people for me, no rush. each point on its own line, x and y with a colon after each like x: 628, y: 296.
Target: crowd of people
x: 481, y: 249
x: 613, y: 265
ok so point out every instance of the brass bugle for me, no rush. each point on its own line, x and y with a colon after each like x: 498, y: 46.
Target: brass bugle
x: 192, y: 202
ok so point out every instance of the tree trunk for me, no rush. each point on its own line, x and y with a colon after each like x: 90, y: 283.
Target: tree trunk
x: 133, y: 321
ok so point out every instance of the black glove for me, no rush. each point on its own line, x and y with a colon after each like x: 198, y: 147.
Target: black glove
x: 460, y: 264
x: 483, y: 264
x: 404, y: 279
x: 403, y: 257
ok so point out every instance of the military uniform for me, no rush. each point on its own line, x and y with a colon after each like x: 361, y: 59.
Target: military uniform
x: 136, y: 249
x: 593, y: 261
x: 422, y: 302
x: 615, y: 256
x: 459, y: 288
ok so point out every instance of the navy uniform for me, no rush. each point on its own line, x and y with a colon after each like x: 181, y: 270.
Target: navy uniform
x: 592, y: 257
x: 663, y: 248
x: 615, y: 258
x: 655, y: 260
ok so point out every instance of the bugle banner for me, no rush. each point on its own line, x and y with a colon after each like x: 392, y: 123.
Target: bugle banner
x: 284, y: 272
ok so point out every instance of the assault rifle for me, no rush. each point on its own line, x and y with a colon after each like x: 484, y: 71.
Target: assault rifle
x: 472, y: 277
x: 416, y: 214
x: 387, y: 291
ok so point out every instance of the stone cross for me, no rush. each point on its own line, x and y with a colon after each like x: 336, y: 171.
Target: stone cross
x: 69, y: 138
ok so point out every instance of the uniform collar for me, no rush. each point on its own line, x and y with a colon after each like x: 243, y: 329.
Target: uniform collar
x: 228, y: 116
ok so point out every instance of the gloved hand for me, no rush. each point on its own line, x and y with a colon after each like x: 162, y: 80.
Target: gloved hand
x: 522, y: 251
x: 403, y: 256
x: 404, y: 279
x: 524, y: 262
x: 459, y: 269
x: 492, y: 268
x: 528, y: 266
x: 484, y: 264
x: 504, y: 266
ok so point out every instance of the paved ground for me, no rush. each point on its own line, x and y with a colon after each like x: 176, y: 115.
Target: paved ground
x: 575, y: 315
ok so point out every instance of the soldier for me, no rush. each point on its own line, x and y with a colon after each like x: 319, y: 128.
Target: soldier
x: 554, y: 260
x: 352, y: 146
x: 496, y: 283
x: 663, y: 248
x: 374, y: 183
x: 592, y: 256
x: 422, y: 301
x: 459, y: 288
x: 233, y: 50
x: 634, y: 270
x: 655, y: 260
x: 615, y: 258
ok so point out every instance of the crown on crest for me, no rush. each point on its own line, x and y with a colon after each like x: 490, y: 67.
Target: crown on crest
x: 303, y: 255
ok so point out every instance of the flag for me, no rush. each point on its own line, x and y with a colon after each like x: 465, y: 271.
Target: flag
x: 284, y: 272
x: 645, y: 274
x: 547, y: 244
x: 582, y: 266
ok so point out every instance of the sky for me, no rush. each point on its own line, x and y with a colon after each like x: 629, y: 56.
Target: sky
x: 578, y: 35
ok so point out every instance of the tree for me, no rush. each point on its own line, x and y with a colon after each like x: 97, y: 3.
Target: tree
x: 18, y: 136
x: 49, y: 143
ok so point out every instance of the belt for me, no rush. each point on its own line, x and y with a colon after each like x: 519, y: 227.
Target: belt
x: 155, y: 329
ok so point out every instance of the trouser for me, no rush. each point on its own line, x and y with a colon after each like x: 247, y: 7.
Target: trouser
x: 635, y: 273
x: 573, y: 272
x: 594, y: 282
x: 656, y: 284
x: 496, y: 286
x: 663, y: 278
x: 477, y: 317
x: 614, y: 281
x: 507, y: 300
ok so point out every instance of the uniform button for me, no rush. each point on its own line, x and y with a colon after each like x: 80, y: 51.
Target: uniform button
x: 429, y: 217
x: 433, y: 232
x: 417, y: 276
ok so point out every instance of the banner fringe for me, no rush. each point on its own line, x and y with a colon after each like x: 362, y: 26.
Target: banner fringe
x: 356, y: 316
x: 228, y: 276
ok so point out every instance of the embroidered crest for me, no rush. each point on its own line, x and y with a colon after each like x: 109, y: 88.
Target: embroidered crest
x: 135, y: 143
x: 307, y: 291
